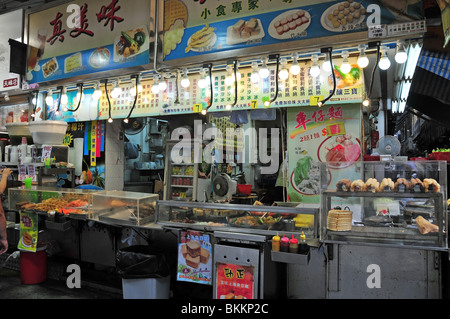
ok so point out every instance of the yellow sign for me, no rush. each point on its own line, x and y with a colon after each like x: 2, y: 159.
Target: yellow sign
x: 197, y: 108
x: 93, y: 143
x: 314, y: 99
x: 253, y: 104
x: 334, y: 129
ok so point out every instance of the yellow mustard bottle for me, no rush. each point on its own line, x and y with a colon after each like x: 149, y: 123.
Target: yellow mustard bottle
x: 276, y: 242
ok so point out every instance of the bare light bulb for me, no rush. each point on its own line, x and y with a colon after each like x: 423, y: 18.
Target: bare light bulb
x: 345, y: 66
x: 401, y: 56
x: 97, y: 92
x: 315, y: 70
x: 49, y: 98
x: 264, y: 71
x: 115, y: 91
x: 326, y: 66
x: 384, y: 62
x: 283, y: 74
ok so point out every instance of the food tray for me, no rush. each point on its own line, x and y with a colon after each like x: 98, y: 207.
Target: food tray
x: 122, y: 215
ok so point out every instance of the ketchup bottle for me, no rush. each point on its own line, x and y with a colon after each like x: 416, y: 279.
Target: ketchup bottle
x: 284, y: 244
x: 293, y: 245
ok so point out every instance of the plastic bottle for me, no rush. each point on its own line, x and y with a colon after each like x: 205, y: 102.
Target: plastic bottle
x: 13, y: 155
x: 7, y: 152
x: 22, y: 150
x: 293, y: 245
x: 303, y: 246
x: 284, y: 244
x: 276, y: 243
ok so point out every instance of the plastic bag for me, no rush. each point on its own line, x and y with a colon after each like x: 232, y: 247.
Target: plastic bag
x: 141, y: 262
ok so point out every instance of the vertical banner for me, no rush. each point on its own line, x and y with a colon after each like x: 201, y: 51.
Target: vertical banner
x: 194, y: 257
x: 28, y: 231
x: 326, y: 134
x: 234, y: 281
x: 93, y: 153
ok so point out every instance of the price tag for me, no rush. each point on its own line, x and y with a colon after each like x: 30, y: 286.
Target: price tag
x: 197, y: 108
x: 314, y: 99
x: 377, y: 31
x: 335, y: 129
x: 253, y: 104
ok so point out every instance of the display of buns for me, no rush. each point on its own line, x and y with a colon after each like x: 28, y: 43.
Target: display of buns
x: 414, y: 185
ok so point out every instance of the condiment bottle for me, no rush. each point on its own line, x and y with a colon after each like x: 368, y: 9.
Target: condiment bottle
x: 303, y: 247
x: 284, y: 244
x: 276, y: 243
x: 293, y: 245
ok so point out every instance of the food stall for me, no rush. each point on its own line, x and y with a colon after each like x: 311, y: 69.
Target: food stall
x: 206, y: 62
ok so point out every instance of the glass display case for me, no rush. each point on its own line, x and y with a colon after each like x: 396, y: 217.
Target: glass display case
x: 181, y: 173
x: 124, y: 208
x: 386, y: 203
x: 71, y: 202
x: 266, y: 220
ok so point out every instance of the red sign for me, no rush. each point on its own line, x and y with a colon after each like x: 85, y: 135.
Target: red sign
x: 10, y: 82
x: 234, y: 281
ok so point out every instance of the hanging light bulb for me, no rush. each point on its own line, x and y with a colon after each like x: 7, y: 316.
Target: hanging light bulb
x: 155, y: 86
x: 49, y: 98
x: 326, y: 65
x: 366, y: 102
x: 97, y: 92
x: 315, y: 70
x: 185, y: 82
x: 401, y: 56
x: 64, y: 98
x: 255, y: 75
x: 345, y: 66
x: 229, y: 79
x: 110, y: 120
x: 204, y: 112
x: 202, y: 83
x: 384, y: 62
x: 264, y: 71
x: 139, y: 86
x: 283, y: 74
x: 362, y: 61
x: 116, y: 90
x: 295, y: 67
x: 162, y: 85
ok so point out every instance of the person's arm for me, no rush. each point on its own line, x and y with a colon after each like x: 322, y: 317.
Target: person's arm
x: 3, y: 240
x: 4, y: 180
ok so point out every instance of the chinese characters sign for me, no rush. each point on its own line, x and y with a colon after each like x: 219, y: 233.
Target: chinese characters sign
x: 193, y: 28
x: 234, y: 281
x: 87, y: 37
x: 331, y: 133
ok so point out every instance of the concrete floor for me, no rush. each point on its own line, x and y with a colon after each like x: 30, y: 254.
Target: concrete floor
x: 12, y: 288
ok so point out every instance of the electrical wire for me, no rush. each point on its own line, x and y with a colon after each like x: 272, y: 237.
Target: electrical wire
x: 135, y: 99
x: 80, y: 86
x: 330, y: 57
x: 277, y: 56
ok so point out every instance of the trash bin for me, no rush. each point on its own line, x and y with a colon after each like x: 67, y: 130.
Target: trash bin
x: 33, y: 266
x: 145, y: 272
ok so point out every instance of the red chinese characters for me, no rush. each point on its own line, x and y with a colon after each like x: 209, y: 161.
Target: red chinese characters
x: 83, y: 25
x: 58, y: 31
x: 108, y: 13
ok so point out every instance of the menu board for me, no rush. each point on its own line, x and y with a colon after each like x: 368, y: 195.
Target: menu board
x: 331, y: 133
x: 82, y: 38
x: 195, y: 28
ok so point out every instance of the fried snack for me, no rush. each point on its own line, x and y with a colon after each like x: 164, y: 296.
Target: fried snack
x: 431, y: 185
x: 401, y: 185
x: 425, y: 226
x: 357, y: 185
x: 386, y: 185
x: 201, y: 38
x: 416, y: 185
x: 27, y: 239
x: 343, y: 185
x: 174, y: 10
x: 371, y: 185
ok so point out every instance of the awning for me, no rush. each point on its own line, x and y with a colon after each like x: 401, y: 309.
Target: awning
x: 430, y: 88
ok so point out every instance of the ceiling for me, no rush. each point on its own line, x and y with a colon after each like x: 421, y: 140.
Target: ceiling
x: 10, y: 5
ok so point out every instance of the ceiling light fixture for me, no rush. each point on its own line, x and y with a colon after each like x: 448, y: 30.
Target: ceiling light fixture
x: 295, y: 67
x: 314, y: 71
x: 255, y: 77
x: 384, y: 62
x: 328, y: 50
x: 401, y: 56
x: 155, y: 86
x: 185, y: 82
x: 97, y: 92
x: 345, y: 66
x: 363, y: 60
x: 203, y: 82
x: 264, y: 71
x: 115, y: 93
x: 283, y: 74
x: 64, y: 98
x: 326, y: 65
x: 49, y: 98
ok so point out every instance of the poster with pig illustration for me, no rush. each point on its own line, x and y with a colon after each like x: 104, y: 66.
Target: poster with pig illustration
x: 328, y: 134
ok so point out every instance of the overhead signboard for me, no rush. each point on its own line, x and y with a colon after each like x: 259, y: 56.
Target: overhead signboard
x: 199, y: 28
x: 11, y: 29
x: 87, y: 37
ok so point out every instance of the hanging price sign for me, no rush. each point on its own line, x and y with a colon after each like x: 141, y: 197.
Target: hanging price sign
x: 314, y: 99
x: 335, y: 129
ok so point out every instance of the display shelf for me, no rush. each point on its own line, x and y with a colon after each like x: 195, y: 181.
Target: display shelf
x: 290, y: 258
x: 404, y: 217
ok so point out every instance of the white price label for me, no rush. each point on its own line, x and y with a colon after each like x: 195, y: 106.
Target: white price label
x: 377, y: 31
